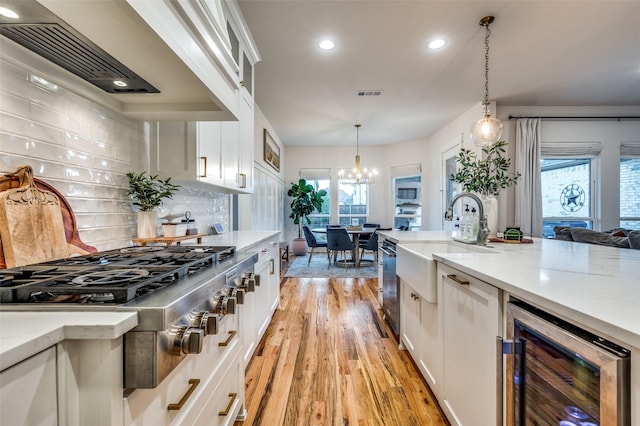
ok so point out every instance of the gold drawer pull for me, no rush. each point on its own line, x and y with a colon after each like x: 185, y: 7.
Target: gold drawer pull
x: 458, y: 280
x: 193, y: 384
x: 226, y: 342
x: 233, y: 397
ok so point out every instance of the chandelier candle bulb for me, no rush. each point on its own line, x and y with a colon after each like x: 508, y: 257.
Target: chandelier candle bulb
x: 358, y: 175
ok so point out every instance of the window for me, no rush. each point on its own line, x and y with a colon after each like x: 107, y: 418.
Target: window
x: 567, y: 184
x: 320, y: 179
x: 629, y: 192
x: 566, y: 194
x: 353, y: 203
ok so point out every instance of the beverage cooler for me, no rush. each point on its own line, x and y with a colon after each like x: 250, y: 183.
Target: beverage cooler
x: 559, y: 374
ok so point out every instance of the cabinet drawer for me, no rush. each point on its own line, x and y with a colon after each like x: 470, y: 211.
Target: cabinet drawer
x: 186, y: 383
x: 227, y: 397
x: 264, y: 251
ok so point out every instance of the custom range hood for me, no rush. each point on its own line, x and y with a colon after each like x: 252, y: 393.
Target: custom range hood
x: 155, y: 60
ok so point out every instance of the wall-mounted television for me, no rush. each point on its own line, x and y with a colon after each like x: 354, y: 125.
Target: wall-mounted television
x: 407, y: 193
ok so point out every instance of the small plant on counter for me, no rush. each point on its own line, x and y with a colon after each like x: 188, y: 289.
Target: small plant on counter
x: 486, y: 176
x: 149, y: 191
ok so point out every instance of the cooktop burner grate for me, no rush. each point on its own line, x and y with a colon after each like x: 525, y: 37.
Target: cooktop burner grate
x: 115, y: 276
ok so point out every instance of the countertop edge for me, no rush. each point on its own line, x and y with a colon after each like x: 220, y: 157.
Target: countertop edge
x: 24, y: 334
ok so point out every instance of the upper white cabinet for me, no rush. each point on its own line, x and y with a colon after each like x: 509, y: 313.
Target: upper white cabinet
x: 208, y: 152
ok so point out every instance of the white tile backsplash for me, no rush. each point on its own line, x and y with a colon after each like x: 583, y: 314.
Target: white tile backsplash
x: 85, y: 150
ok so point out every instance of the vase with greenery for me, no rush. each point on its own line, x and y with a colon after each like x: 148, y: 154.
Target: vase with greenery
x: 148, y: 192
x: 486, y: 176
x: 305, y: 200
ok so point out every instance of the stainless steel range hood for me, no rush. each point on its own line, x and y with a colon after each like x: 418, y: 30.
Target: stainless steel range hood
x: 103, y: 41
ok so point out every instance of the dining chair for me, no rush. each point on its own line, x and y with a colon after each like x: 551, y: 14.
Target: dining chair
x: 338, y: 240
x: 365, y: 237
x: 371, y: 245
x: 313, y: 243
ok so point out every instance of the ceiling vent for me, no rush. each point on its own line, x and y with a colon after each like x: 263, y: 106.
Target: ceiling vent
x: 53, y: 39
x: 369, y: 92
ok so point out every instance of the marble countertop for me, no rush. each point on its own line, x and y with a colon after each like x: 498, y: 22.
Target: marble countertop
x: 24, y: 334
x: 596, y: 287
x: 242, y: 240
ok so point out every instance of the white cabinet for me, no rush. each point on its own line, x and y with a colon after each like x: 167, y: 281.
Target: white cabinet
x: 470, y: 313
x: 28, y: 391
x: 256, y: 313
x: 264, y: 210
x: 200, y: 381
x: 420, y: 334
x: 209, y: 152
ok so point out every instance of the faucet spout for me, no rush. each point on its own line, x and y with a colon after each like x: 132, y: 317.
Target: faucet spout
x: 483, y: 230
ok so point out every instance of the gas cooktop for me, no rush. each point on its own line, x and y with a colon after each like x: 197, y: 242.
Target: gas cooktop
x: 109, y: 277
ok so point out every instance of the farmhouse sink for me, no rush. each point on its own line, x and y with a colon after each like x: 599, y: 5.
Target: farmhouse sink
x: 415, y: 264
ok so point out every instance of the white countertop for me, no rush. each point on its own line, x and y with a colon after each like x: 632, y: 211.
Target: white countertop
x: 23, y: 334
x: 594, y: 286
x: 242, y: 240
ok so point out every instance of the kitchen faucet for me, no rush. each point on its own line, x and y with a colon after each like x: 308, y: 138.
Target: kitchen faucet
x: 483, y: 231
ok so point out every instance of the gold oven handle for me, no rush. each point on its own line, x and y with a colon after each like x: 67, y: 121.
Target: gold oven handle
x: 226, y: 342
x: 233, y: 397
x: 193, y: 384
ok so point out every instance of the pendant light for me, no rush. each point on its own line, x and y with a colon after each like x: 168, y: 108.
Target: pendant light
x: 358, y: 175
x: 487, y: 130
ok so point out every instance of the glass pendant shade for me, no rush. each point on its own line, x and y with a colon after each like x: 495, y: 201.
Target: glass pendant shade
x: 486, y: 131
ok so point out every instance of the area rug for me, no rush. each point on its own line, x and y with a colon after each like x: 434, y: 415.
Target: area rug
x: 318, y: 269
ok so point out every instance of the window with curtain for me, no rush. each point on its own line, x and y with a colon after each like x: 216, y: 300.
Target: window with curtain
x: 353, y: 203
x: 629, y: 192
x: 320, y: 179
x: 567, y: 185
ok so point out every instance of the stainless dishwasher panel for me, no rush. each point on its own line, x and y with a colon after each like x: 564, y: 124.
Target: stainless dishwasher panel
x: 390, y: 286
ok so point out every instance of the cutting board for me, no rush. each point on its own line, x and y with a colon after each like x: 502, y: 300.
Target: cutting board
x: 31, y: 225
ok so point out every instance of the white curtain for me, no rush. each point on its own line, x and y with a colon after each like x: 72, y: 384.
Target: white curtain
x: 528, y: 211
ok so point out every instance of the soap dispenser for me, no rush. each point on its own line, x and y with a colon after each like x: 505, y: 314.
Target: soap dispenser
x: 475, y: 223
x: 465, y: 224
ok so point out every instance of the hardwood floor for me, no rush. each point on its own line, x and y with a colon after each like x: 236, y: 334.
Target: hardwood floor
x: 328, y: 359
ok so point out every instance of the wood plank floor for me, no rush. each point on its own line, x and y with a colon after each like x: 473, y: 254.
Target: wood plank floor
x: 328, y: 359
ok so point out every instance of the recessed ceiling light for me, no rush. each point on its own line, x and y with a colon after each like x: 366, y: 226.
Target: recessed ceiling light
x: 437, y: 43
x: 8, y: 13
x: 120, y: 83
x: 326, y: 45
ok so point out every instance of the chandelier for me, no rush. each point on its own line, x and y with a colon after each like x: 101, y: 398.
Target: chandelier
x: 487, y: 130
x: 358, y: 174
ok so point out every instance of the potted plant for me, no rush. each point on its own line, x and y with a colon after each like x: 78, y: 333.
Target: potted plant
x: 148, y: 192
x: 486, y: 176
x: 305, y: 200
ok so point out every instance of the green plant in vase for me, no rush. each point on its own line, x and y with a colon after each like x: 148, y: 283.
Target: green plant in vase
x: 305, y: 200
x: 486, y: 176
x: 148, y: 192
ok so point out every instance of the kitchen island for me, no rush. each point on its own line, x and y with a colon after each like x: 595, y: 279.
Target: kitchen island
x: 594, y: 287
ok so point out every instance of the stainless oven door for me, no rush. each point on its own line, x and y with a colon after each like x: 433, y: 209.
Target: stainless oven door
x: 563, y: 373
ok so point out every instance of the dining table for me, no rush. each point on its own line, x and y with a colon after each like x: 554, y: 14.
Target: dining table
x: 355, y: 233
